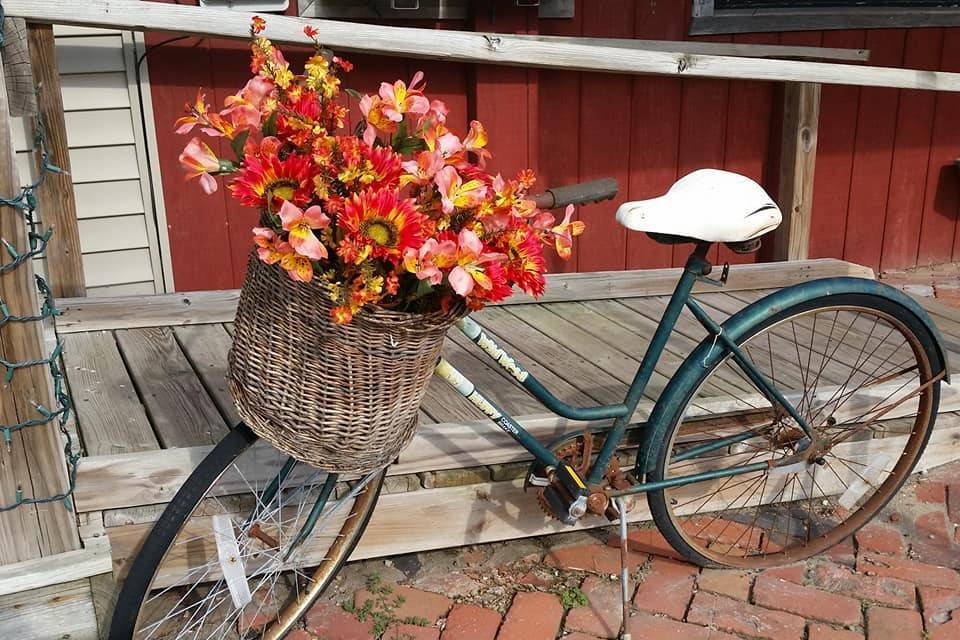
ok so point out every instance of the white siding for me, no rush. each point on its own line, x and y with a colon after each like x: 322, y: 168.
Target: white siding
x: 116, y: 221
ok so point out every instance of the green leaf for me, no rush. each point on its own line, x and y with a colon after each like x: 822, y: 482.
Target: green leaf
x: 408, y: 145
x: 353, y: 93
x: 237, y: 143
x: 270, y: 125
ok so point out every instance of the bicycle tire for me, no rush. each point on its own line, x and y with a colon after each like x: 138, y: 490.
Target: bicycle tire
x: 665, y: 511
x: 144, y: 568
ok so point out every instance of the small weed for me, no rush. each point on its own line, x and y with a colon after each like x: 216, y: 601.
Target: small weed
x: 380, y: 609
x: 571, y: 597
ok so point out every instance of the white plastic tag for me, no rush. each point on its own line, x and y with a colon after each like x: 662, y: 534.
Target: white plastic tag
x: 231, y: 563
x: 863, y: 482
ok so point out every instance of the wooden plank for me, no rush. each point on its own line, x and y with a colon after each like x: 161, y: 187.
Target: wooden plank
x: 179, y: 407
x: 55, y: 194
x: 798, y: 156
x: 112, y: 419
x: 85, y: 314
x: 738, y: 49
x: 35, y: 461
x: 59, y: 611
x: 465, y: 46
x: 206, y: 347
x: 55, y: 570
x: 481, y: 513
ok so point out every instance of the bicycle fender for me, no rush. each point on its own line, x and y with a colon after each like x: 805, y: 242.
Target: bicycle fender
x: 706, y: 355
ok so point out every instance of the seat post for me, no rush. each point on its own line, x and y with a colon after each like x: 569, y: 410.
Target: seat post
x: 697, y: 262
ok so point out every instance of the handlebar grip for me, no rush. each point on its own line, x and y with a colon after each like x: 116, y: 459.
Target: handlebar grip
x: 583, y: 193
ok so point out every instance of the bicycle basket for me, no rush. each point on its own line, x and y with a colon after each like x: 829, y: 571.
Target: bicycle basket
x: 343, y: 398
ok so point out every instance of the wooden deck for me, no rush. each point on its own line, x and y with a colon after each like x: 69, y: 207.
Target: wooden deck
x: 150, y: 397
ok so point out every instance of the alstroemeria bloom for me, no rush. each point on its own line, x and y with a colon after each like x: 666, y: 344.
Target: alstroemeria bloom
x: 398, y: 98
x: 244, y: 109
x: 199, y: 115
x: 422, y: 170
x: 565, y: 231
x: 428, y: 261
x: 298, y: 267
x: 373, y: 110
x: 471, y: 260
x: 454, y: 192
x: 475, y: 141
x: 199, y: 160
x: 300, y: 225
x: 270, y: 248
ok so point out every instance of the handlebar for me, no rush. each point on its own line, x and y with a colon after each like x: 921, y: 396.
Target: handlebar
x: 583, y: 193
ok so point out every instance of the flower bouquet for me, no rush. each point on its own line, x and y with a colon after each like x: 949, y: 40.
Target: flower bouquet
x: 370, y: 244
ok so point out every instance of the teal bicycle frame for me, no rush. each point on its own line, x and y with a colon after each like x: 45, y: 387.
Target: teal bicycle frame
x: 720, y: 343
x: 696, y: 269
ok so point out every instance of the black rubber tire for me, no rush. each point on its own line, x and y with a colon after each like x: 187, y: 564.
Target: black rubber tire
x: 664, y: 434
x: 164, y: 532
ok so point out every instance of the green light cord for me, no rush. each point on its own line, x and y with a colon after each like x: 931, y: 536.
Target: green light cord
x: 25, y: 203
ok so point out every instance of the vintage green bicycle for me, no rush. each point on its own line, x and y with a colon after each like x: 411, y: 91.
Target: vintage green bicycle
x: 788, y: 428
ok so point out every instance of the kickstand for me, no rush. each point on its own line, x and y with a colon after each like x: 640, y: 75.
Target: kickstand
x: 624, y: 569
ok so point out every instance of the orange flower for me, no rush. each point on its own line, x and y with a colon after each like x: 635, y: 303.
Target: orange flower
x: 199, y: 115
x: 311, y: 31
x: 257, y: 24
x: 565, y: 232
x: 270, y: 177
x: 341, y: 314
x: 271, y: 247
x: 380, y: 224
x: 199, y: 160
x: 298, y: 267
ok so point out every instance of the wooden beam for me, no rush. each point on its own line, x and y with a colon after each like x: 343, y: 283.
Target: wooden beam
x: 35, y: 461
x: 484, y: 48
x: 57, y: 205
x: 716, y: 48
x: 59, y: 611
x: 798, y: 158
x: 474, y: 514
x: 202, y: 307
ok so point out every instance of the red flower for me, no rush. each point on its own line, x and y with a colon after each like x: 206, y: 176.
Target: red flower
x: 311, y: 32
x: 524, y: 264
x: 380, y: 224
x: 290, y: 179
x: 257, y: 24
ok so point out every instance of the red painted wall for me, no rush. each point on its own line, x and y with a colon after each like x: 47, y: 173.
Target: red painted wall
x: 886, y: 194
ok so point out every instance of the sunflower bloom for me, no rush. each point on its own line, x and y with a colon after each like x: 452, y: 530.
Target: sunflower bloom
x: 270, y: 178
x: 380, y: 224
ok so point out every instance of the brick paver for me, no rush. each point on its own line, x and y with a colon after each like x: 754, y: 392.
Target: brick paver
x: 666, y: 588
x: 910, y: 570
x: 893, y: 624
x: 727, y: 582
x: 592, y: 557
x: 411, y: 632
x: 414, y: 603
x: 939, y: 605
x: 331, y: 622
x: 746, y: 619
x: 811, y: 603
x: 882, y: 590
x: 880, y: 538
x: 819, y: 631
x: 532, y: 616
x: 602, y: 615
x: 645, y: 626
x: 470, y: 622
x: 931, y: 492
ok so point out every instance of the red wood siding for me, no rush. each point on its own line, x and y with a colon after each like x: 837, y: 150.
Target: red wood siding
x: 886, y: 192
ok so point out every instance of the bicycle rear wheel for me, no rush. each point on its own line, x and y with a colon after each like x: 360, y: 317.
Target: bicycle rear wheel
x: 860, y: 370
x: 224, y: 560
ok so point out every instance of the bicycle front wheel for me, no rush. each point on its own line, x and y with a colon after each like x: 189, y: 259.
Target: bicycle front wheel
x: 859, y: 369
x: 228, y: 557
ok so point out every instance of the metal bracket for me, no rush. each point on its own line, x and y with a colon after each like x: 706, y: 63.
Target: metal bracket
x: 722, y: 280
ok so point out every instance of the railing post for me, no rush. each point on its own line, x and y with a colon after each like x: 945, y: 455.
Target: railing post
x: 798, y: 158
x: 32, y: 464
x: 58, y: 207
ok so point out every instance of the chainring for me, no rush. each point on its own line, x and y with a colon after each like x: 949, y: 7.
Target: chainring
x: 572, y: 453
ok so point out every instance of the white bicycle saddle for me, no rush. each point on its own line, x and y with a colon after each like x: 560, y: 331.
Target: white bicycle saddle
x: 708, y: 205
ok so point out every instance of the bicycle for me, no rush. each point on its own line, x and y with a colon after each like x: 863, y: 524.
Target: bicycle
x: 787, y: 428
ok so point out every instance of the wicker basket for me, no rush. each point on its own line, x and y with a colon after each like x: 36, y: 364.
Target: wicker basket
x: 343, y: 398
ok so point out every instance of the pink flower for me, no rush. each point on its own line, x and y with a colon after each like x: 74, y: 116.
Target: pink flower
x: 471, y: 259
x: 422, y: 170
x: 475, y: 141
x: 199, y: 160
x: 399, y: 99
x: 244, y: 108
x: 300, y: 225
x: 454, y: 192
x: 428, y: 261
x: 565, y: 232
x: 270, y: 247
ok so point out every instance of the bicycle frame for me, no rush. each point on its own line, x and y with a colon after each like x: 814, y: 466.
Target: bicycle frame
x: 696, y: 269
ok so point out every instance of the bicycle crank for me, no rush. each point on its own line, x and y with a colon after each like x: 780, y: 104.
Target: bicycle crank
x: 563, y: 494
